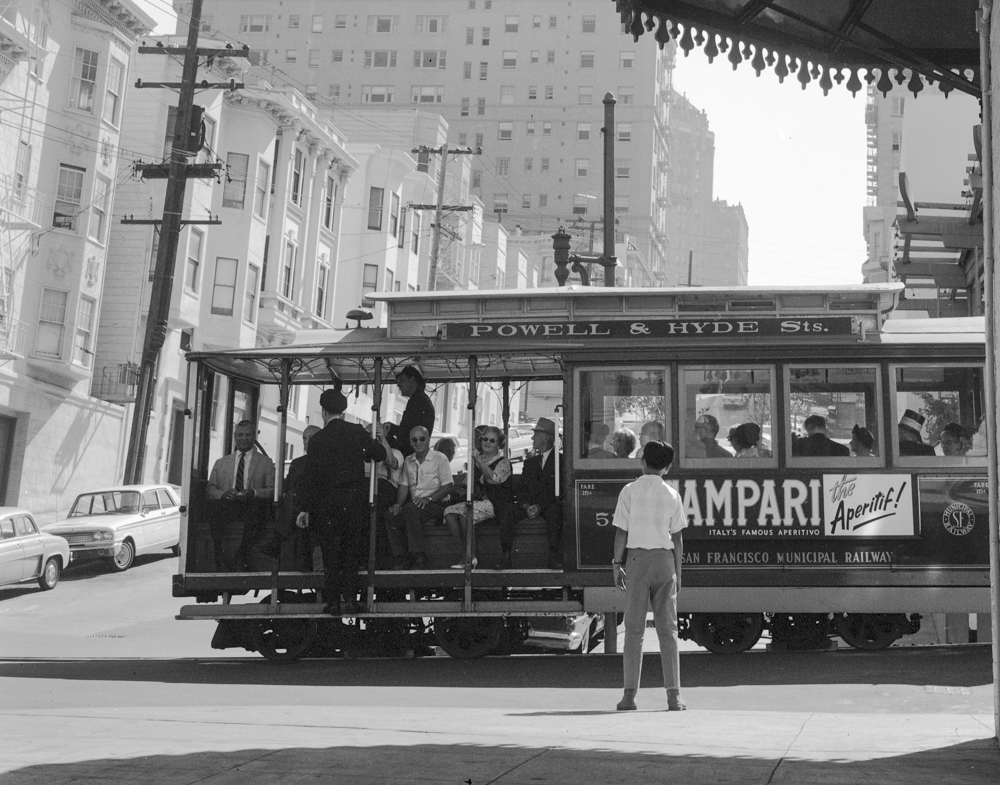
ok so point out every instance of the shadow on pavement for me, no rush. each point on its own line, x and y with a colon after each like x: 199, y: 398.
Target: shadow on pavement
x: 951, y: 666
x: 82, y: 571
x: 975, y: 763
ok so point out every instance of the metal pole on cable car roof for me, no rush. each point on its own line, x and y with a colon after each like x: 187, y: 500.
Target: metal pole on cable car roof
x: 992, y: 296
x: 279, y: 475
x: 373, y: 486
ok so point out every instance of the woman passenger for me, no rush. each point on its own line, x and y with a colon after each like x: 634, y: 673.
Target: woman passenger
x: 862, y: 442
x: 747, y: 440
x: 492, y: 489
x: 623, y: 443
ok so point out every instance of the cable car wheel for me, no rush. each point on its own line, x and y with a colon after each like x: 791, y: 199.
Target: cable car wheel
x: 468, y: 637
x: 868, y: 631
x: 285, y: 640
x: 726, y: 633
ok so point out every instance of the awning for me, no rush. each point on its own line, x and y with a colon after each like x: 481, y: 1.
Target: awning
x: 850, y: 42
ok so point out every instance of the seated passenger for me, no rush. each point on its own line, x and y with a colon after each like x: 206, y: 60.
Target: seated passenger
x: 956, y: 440
x: 862, y: 442
x: 623, y: 443
x: 651, y: 431
x: 596, y: 437
x: 493, y: 494
x: 817, y: 444
x: 426, y: 481
x: 746, y: 439
x: 446, y: 447
x: 538, y: 488
x: 910, y: 441
x: 706, y: 429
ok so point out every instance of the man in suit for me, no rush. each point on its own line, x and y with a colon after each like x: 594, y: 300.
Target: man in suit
x: 706, y: 430
x: 538, y: 488
x: 333, y: 496
x: 817, y: 444
x: 242, y: 486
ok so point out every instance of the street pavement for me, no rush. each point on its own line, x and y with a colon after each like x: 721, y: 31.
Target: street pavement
x: 98, y: 684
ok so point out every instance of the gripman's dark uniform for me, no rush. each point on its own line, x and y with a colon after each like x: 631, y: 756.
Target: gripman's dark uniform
x: 334, y: 492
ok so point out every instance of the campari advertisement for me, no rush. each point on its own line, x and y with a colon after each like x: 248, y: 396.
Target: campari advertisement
x: 841, y: 520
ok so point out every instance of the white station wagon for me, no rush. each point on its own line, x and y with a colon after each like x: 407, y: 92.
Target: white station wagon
x: 26, y: 554
x: 121, y: 523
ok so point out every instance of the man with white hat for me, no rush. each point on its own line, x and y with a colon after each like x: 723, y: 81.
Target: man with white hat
x: 538, y: 488
x: 910, y: 441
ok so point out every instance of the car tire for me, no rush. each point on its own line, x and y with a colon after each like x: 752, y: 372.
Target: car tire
x: 50, y: 574
x: 125, y: 557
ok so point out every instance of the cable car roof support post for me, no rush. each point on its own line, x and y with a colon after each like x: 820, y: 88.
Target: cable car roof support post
x: 373, y: 485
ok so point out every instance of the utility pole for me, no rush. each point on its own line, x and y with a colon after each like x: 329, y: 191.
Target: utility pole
x: 186, y: 143
x: 440, y: 207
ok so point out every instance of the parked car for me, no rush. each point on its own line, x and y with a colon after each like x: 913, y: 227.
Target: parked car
x: 519, y: 442
x: 121, y: 523
x: 27, y: 554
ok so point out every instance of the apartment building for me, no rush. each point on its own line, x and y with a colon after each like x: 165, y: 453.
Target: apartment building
x: 63, y: 85
x: 522, y: 80
x: 931, y: 140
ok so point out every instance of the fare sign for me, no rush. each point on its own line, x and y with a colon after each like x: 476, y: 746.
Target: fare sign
x: 649, y: 329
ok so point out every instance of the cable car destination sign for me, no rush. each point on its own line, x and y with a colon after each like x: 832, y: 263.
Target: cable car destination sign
x: 653, y: 328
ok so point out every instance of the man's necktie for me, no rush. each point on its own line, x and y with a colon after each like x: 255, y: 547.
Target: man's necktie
x: 239, y: 471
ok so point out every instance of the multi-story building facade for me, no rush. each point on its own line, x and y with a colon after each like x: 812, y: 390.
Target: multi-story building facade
x: 931, y: 141
x: 523, y: 81
x: 63, y: 87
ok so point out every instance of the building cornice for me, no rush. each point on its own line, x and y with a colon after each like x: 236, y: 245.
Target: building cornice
x: 125, y: 18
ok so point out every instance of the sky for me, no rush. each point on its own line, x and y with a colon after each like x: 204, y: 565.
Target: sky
x: 794, y: 159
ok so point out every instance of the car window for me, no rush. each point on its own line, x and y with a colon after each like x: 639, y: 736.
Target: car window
x: 149, y: 501
x: 30, y: 525
x: 21, y: 526
x: 7, y: 529
x: 165, y: 499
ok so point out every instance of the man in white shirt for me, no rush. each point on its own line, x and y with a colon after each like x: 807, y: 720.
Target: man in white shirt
x: 649, y: 520
x: 426, y: 481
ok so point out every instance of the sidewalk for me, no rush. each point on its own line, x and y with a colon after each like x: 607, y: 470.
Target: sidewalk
x: 913, y: 717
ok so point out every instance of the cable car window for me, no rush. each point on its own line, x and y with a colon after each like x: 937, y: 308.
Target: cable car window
x: 834, y: 415
x: 726, y: 414
x: 619, y: 411
x: 940, y: 414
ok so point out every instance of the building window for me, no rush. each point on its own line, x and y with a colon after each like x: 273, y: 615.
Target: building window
x: 526, y: 202
x: 288, y: 271
x: 503, y: 166
x: 415, y: 226
x: 477, y: 178
x: 549, y: 92
x: 529, y: 164
x: 479, y: 141
x: 394, y: 214
x: 82, y: 351
x: 51, y: 324
x: 426, y: 94
x: 624, y: 132
x: 298, y: 161
x: 510, y: 24
x: 536, y: 22
x: 196, y: 240
x: 585, y: 95
x: 467, y: 70
x: 113, y: 98
x: 505, y: 130
x: 291, y: 55
x: 376, y: 58
x: 470, y: 35
x: 314, y: 58
x: 235, y: 185
x: 510, y: 58
x: 463, y: 140
x: 550, y: 57
x: 317, y: 26
x: 506, y: 94
x: 68, y: 194
x: 256, y: 23
x: 369, y: 283
x: 333, y: 91
x: 586, y: 59
x: 377, y: 94
x: 532, y: 92
x: 897, y: 106
x: 432, y: 24
x: 429, y: 58
x: 621, y: 203
x: 383, y: 24
x: 99, y: 208
x: 626, y: 94
x: 543, y: 200
x: 465, y: 107
x: 499, y: 203
x: 375, y: 198
x: 83, y: 87
x: 897, y: 141
x: 322, y: 285
x: 261, y: 189
x: 590, y: 24
x: 22, y: 169
x: 626, y: 59
x: 340, y: 21
x: 582, y: 167
x: 250, y: 294
x: 486, y: 36
x: 552, y: 22
x: 531, y: 127
x: 329, y: 202
x: 545, y: 164
x: 580, y: 204
x: 583, y: 131
x: 480, y: 107
x: 546, y: 128
x: 337, y: 56
x: 623, y: 167
x: 293, y: 21
x: 484, y: 71
x: 224, y: 286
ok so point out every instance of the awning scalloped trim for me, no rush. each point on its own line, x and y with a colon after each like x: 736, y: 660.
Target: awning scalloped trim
x: 784, y: 63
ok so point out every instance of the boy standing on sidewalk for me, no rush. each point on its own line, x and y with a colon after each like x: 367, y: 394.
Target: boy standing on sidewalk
x: 649, y: 519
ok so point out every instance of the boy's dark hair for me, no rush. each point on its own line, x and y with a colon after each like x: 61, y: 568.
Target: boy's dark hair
x: 658, y: 455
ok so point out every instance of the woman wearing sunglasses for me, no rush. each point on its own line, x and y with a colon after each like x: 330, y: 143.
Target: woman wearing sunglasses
x: 492, y: 489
